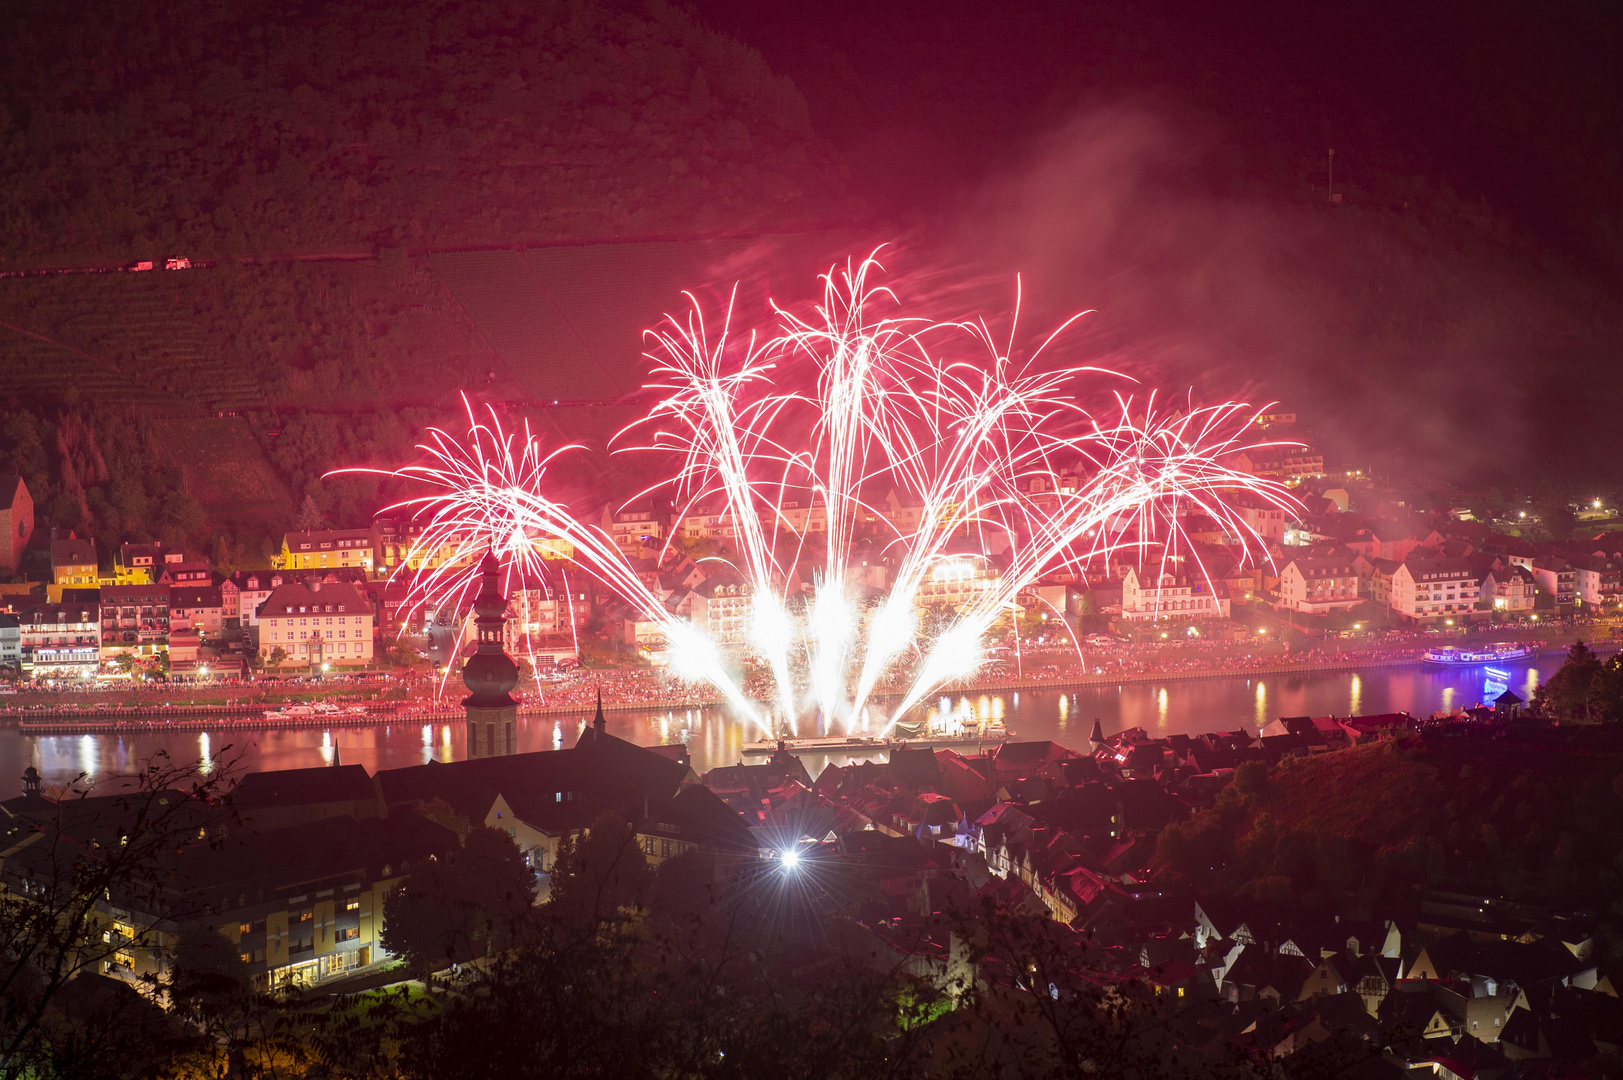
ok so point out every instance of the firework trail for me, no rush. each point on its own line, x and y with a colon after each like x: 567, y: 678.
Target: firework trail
x: 796, y: 439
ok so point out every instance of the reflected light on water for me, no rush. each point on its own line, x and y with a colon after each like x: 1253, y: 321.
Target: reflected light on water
x: 1192, y: 707
x: 205, y: 760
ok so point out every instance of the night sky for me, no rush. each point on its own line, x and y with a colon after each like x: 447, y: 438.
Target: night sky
x: 1455, y: 315
x: 1167, y: 164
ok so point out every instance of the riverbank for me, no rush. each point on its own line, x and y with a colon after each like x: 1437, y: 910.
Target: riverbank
x: 626, y: 691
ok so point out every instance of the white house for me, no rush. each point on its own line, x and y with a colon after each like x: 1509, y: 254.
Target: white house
x: 1169, y: 592
x: 1317, y: 584
x: 1434, y: 590
x: 1268, y: 520
x: 316, y: 623
x: 1596, y: 580
x: 721, y: 610
x: 1556, y: 578
x: 1507, y: 591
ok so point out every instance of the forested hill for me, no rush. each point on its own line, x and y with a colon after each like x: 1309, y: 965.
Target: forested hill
x: 245, y: 134
x: 129, y: 131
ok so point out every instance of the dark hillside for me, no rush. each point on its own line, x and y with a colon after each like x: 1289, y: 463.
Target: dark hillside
x: 207, y: 130
x: 304, y: 159
x: 1533, y: 815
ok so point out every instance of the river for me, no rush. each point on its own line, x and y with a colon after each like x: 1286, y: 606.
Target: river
x: 713, y: 738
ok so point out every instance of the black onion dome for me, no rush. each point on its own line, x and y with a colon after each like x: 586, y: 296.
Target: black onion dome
x: 490, y: 678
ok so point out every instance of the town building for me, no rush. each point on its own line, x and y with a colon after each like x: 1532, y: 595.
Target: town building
x: 963, y: 575
x: 11, y: 642
x: 398, y: 543
x: 1263, y: 518
x: 1170, y: 591
x: 199, y: 608
x: 545, y: 627
x: 315, y: 623
x: 721, y: 609
x: 188, y: 572
x: 60, y: 640
x: 326, y: 549
x: 1319, y: 584
x: 1556, y: 578
x: 639, y: 525
x: 1506, y: 591
x: 141, y: 564
x: 247, y: 590
x: 1596, y: 580
x: 537, y: 613
x: 804, y: 517
x: 1287, y: 464
x: 1434, y: 590
x: 541, y: 799
x: 16, y: 522
x: 703, y: 521
x: 73, y: 563
x: 134, y: 618
x: 302, y: 905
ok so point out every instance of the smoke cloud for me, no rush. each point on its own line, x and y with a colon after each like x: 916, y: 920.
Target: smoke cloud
x: 1410, y: 326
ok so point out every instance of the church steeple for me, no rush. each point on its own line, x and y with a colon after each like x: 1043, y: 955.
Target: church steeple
x: 490, y: 674
x: 594, y: 733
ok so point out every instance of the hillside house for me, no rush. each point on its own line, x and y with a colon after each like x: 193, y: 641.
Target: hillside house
x: 326, y: 549
x: 73, y: 563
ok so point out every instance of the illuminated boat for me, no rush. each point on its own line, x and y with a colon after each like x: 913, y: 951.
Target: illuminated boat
x: 913, y: 736
x: 821, y: 744
x: 1500, y: 652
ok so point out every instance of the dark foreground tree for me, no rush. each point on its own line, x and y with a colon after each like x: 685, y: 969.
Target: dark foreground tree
x: 72, y: 860
x: 460, y: 905
x: 1566, y: 695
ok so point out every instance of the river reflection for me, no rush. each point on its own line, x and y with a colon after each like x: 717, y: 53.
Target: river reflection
x: 714, y: 738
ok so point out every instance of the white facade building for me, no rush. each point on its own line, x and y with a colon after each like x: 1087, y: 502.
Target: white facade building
x: 1507, y: 591
x: 1434, y: 590
x: 316, y: 623
x: 1315, y: 585
x: 1169, y: 592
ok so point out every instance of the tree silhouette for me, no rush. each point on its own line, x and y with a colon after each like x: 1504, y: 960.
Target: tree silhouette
x: 310, y: 516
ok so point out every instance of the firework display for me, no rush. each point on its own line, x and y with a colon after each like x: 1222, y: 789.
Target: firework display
x: 834, y: 441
